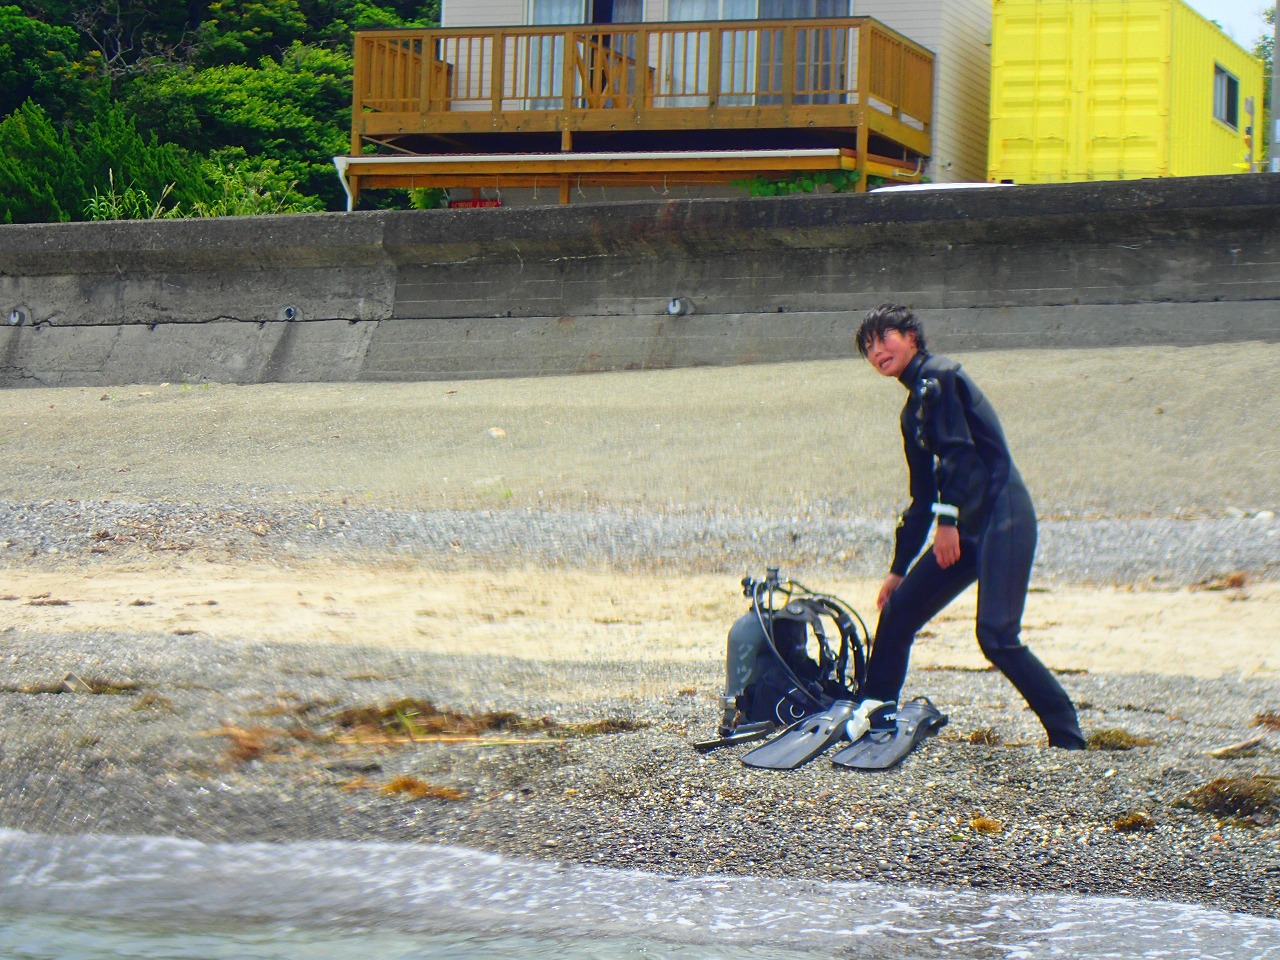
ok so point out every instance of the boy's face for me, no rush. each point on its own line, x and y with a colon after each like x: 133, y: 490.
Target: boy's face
x: 891, y: 353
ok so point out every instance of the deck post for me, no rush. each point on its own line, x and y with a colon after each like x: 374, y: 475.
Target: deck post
x: 359, y: 83
x: 714, y: 56
x: 643, y: 91
x: 426, y: 78
x: 865, y: 29
x: 497, y: 75
x: 567, y: 84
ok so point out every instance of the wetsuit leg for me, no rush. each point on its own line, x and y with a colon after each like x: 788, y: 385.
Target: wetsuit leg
x: 925, y: 590
x: 1004, y: 572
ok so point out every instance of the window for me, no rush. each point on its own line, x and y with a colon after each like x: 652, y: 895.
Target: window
x: 593, y: 11
x: 1226, y: 97
x: 797, y: 9
x: 686, y: 10
x: 617, y: 11
x: 755, y: 9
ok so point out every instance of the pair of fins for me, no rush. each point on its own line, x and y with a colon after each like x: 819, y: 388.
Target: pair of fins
x: 882, y: 734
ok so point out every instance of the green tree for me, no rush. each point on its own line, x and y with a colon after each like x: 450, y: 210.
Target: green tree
x: 296, y: 110
x: 50, y: 11
x: 245, y: 31
x: 40, y: 178
x: 112, y: 150
x: 48, y: 172
x: 335, y: 21
x: 204, y: 106
x: 38, y: 62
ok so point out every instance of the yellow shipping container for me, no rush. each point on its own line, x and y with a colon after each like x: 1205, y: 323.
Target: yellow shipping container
x: 1117, y: 90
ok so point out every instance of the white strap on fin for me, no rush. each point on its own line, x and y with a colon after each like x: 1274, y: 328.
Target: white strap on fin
x: 860, y: 722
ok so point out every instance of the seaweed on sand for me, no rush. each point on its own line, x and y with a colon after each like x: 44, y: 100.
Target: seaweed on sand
x: 408, y: 719
x: 1247, y: 801
x: 1117, y: 739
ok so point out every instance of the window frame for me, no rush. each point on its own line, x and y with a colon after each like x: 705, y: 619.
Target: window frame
x: 1226, y: 97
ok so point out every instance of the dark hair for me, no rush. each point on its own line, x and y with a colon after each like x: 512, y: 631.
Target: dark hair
x: 888, y: 316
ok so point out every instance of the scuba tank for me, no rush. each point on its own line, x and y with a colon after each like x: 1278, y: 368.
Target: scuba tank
x: 771, y: 678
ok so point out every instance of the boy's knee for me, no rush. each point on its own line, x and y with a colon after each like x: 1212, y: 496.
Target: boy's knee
x: 998, y: 646
x: 1003, y: 659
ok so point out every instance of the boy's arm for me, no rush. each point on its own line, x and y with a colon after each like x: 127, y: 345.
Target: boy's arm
x: 914, y: 524
x: 959, y: 474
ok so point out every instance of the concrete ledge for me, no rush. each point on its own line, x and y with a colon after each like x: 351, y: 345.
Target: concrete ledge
x: 222, y: 352
x: 530, y: 291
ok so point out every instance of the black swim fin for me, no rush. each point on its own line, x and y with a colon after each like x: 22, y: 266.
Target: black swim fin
x: 883, y: 746
x: 803, y: 740
x: 742, y: 733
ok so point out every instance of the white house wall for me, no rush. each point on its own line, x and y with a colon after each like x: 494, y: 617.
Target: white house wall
x: 482, y: 13
x: 964, y: 87
x: 957, y: 31
x: 959, y: 34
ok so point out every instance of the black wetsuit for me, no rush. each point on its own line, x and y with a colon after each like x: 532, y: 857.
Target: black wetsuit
x: 962, y: 474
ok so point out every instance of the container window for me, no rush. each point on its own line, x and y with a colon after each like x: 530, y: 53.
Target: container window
x: 1226, y: 97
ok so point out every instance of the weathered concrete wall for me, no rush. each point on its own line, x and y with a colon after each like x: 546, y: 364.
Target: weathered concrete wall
x: 528, y: 291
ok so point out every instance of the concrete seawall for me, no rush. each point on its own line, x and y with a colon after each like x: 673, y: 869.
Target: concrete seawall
x: 534, y: 291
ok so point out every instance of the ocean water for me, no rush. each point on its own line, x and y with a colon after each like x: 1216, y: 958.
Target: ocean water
x: 97, y: 897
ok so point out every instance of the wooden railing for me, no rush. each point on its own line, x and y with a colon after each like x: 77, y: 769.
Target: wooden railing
x: 841, y: 72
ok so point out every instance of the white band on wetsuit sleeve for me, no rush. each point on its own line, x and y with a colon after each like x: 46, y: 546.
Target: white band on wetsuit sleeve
x: 946, y: 510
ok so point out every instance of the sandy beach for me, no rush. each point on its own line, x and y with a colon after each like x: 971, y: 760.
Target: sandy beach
x: 260, y: 558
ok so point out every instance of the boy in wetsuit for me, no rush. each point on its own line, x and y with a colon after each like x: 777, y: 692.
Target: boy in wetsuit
x: 962, y: 477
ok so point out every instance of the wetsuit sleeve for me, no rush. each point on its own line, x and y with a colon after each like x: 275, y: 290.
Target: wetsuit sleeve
x: 959, y: 473
x: 914, y: 524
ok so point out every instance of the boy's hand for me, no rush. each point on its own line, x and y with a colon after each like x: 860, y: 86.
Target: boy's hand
x: 946, y: 545
x: 890, y: 584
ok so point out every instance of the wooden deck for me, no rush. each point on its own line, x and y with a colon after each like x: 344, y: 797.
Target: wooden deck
x: 637, y: 103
